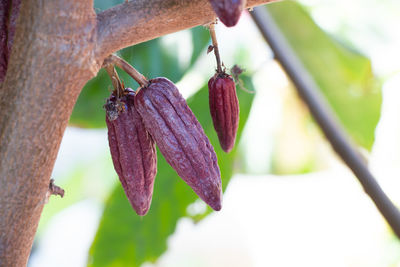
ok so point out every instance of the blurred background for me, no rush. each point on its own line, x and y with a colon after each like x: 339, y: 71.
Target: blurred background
x: 288, y: 201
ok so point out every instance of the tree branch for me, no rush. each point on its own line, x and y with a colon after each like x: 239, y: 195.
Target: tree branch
x: 51, y: 60
x: 142, y: 20
x: 324, y: 116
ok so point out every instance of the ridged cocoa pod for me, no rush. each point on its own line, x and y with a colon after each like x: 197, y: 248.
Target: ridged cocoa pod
x: 3, y: 38
x: 9, y: 11
x: 224, y: 109
x: 132, y: 149
x: 228, y: 11
x: 180, y: 138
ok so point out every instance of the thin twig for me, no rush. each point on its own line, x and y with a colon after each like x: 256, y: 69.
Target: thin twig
x: 55, y: 190
x: 211, y: 28
x: 125, y: 66
x: 324, y: 116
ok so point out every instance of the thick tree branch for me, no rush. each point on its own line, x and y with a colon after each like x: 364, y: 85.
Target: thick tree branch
x: 142, y: 20
x: 324, y: 116
x: 51, y: 60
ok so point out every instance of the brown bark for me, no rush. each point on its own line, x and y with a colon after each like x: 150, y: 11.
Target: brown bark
x: 51, y: 60
x: 56, y: 51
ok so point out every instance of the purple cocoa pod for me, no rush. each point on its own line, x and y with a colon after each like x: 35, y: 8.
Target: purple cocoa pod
x: 228, y: 11
x: 224, y: 109
x: 180, y: 138
x: 4, y: 15
x: 132, y: 149
x: 9, y: 11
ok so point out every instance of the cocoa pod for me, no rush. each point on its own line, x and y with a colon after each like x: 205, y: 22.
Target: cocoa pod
x: 224, y: 109
x: 132, y: 149
x: 4, y: 10
x: 228, y: 11
x: 9, y: 11
x: 180, y: 138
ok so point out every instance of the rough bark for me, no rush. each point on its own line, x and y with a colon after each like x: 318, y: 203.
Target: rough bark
x: 56, y: 51
x: 51, y: 60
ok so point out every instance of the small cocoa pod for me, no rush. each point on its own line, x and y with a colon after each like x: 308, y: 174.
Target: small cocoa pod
x: 224, y: 109
x: 3, y: 39
x: 180, y: 138
x: 132, y: 149
x: 228, y: 11
x: 9, y: 11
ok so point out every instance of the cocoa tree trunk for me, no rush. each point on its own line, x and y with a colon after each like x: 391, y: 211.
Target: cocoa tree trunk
x: 49, y: 64
x: 58, y: 47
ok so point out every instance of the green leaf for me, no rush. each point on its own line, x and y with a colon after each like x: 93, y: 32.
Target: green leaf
x: 344, y: 76
x: 101, y: 5
x: 125, y: 239
x: 153, y: 59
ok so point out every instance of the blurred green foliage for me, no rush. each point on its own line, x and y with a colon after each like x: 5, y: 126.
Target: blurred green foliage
x: 344, y: 76
x: 126, y: 239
